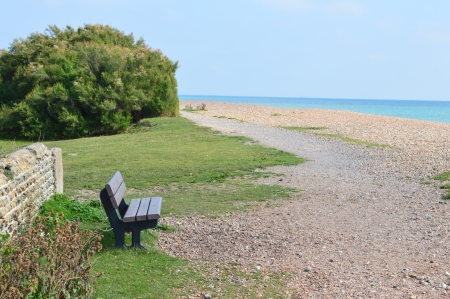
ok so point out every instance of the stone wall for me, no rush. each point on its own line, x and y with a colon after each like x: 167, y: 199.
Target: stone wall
x: 28, y: 177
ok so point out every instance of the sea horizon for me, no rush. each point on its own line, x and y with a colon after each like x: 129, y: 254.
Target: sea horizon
x: 428, y: 110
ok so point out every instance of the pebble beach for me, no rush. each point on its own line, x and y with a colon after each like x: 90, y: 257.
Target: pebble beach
x: 423, y: 146
x: 369, y: 223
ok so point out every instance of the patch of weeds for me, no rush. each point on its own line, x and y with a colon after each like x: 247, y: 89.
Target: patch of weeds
x: 73, y: 210
x: 201, y: 107
x: 221, y: 116
x: 51, y: 259
x: 336, y: 136
x: 146, y: 122
x: 164, y: 227
x: 353, y: 200
x: 276, y: 114
x: 305, y: 129
x: 445, y: 176
x: 353, y: 140
x: 189, y: 108
x: 446, y: 187
x: 425, y: 182
x: 9, y: 174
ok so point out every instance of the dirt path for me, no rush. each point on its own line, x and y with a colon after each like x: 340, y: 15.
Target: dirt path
x: 363, y: 230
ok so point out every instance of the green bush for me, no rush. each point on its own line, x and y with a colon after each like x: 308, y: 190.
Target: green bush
x: 91, y: 81
x: 72, y: 210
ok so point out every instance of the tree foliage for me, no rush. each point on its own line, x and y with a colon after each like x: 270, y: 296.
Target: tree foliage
x: 94, y: 80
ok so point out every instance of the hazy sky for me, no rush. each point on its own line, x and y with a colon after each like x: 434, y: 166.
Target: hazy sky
x: 398, y: 49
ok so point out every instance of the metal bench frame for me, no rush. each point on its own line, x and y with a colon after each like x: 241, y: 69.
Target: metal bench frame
x: 116, y: 209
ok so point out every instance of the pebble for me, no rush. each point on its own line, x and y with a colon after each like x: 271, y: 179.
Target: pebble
x: 257, y: 268
x: 335, y: 172
x: 207, y: 296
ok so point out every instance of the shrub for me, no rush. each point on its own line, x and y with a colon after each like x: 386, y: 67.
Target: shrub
x: 50, y: 260
x: 91, y: 81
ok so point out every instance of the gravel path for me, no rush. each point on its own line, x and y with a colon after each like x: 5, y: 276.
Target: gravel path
x: 361, y: 228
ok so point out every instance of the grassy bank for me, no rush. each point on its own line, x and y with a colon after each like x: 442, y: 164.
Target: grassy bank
x: 197, y: 172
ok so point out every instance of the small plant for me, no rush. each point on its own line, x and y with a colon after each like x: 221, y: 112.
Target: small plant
x: 445, y: 176
x: 50, y: 260
x: 446, y: 196
x: 9, y: 174
x: 276, y: 114
x: 165, y: 227
x: 445, y: 186
x: 201, y: 107
x: 303, y: 129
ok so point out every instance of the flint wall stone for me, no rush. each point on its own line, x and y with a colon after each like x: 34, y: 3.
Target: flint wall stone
x: 28, y: 177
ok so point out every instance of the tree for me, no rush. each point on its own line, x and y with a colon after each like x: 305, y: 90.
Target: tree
x: 91, y: 81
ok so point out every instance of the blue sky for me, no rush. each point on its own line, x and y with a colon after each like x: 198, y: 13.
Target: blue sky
x: 289, y: 48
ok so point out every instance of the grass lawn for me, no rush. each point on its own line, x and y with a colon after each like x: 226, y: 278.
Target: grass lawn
x: 197, y: 171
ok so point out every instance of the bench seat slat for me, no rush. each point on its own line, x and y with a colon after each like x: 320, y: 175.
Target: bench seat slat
x: 130, y: 215
x: 143, y: 208
x: 154, y: 210
x: 114, y: 183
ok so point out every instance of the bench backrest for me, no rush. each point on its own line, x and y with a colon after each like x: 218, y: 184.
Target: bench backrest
x: 116, y: 189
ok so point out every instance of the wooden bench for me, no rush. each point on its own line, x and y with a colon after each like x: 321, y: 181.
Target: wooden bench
x: 134, y: 217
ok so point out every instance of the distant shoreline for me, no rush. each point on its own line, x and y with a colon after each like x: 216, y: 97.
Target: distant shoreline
x: 436, y: 111
x: 423, y: 146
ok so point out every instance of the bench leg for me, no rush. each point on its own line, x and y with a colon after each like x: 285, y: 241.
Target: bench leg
x: 119, y: 235
x: 136, y: 237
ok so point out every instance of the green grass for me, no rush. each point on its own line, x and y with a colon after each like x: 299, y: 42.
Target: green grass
x: 72, y: 209
x: 197, y: 172
x: 9, y: 146
x: 217, y: 198
x: 174, y: 150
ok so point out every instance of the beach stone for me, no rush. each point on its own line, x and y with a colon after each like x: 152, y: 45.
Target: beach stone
x: 207, y: 296
x: 308, y: 269
x: 326, y: 224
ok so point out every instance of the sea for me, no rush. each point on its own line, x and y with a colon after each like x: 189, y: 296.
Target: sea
x: 436, y: 111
